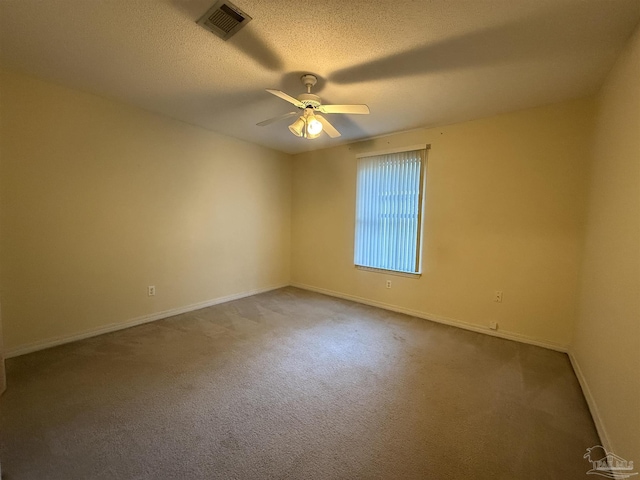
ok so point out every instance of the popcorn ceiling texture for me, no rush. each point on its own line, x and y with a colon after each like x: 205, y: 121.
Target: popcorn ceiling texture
x: 414, y: 63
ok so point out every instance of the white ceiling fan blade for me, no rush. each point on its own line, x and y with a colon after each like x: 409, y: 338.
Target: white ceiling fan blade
x: 286, y: 97
x: 327, y: 127
x: 354, y: 109
x: 275, y: 119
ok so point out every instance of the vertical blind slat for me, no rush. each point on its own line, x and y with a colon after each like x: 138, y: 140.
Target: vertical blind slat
x: 405, y: 212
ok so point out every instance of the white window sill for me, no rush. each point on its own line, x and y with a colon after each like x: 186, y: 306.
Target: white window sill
x: 389, y: 272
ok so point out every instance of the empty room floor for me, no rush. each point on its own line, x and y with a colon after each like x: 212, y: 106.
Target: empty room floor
x: 291, y: 384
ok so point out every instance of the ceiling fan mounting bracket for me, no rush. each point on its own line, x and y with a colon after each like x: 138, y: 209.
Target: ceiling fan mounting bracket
x: 309, y: 80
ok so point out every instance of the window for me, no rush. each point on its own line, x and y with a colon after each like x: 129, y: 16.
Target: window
x: 388, y: 210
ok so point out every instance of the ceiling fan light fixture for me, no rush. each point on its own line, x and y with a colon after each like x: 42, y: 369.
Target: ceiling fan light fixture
x: 314, y: 127
x: 298, y: 127
x: 309, y: 125
x: 311, y: 136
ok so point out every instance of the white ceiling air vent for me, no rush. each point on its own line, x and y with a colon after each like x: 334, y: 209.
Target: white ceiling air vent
x: 224, y: 19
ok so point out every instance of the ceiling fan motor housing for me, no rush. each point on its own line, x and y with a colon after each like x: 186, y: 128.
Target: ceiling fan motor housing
x: 310, y: 100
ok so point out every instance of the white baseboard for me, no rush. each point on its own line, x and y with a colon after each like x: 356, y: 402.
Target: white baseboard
x: 591, y: 402
x: 112, y: 327
x: 52, y: 342
x: 437, y: 318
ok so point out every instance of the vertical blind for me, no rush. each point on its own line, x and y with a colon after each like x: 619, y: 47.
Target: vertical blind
x: 388, y: 211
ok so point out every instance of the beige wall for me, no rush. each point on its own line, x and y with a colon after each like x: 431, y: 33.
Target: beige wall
x: 505, y: 201
x: 607, y: 339
x: 100, y: 200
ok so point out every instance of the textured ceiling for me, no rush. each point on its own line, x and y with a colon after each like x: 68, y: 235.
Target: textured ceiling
x: 415, y: 63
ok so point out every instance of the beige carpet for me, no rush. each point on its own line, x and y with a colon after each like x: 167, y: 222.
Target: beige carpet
x: 294, y: 385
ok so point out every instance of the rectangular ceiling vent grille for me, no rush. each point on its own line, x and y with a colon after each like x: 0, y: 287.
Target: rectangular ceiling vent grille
x: 224, y: 19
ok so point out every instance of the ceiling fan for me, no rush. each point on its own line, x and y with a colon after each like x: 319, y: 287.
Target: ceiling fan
x: 309, y: 124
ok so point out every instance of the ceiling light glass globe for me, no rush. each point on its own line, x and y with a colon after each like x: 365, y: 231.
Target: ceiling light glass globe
x: 314, y: 127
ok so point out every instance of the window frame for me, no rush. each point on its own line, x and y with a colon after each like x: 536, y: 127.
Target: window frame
x: 424, y: 148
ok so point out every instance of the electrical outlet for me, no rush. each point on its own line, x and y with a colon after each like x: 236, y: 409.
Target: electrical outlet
x: 151, y: 290
x: 493, y: 325
x: 498, y: 296
x: 388, y: 283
